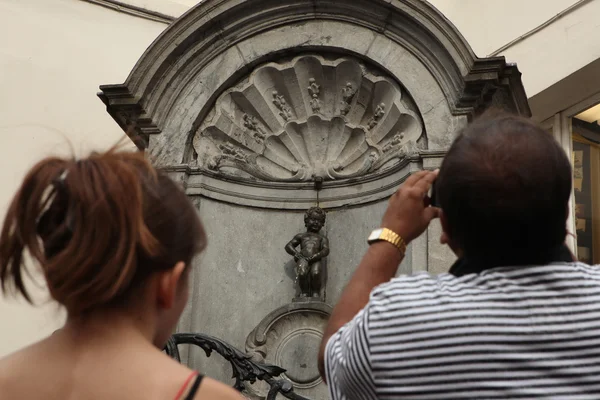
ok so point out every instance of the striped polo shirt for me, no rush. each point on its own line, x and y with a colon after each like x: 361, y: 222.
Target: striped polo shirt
x: 505, y: 333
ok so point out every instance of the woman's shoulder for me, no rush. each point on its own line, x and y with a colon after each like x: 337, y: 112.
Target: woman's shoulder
x: 16, y: 362
x: 212, y: 389
x: 148, y: 372
x: 16, y: 368
x: 181, y: 376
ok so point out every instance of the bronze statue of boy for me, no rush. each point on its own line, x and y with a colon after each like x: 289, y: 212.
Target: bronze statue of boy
x: 314, y: 247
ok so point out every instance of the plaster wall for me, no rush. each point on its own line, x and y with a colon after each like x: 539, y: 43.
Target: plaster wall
x: 53, y: 56
x: 559, y: 49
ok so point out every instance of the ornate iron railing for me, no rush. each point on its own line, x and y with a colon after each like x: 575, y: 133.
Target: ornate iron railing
x: 244, y: 368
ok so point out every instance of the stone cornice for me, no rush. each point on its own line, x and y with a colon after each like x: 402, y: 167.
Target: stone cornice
x: 299, y: 196
x: 213, y: 26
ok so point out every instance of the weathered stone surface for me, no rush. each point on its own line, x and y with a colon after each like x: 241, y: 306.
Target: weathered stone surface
x: 179, y: 119
x: 247, y: 105
x: 315, y: 116
x: 290, y: 337
x: 350, y: 193
x: 242, y: 277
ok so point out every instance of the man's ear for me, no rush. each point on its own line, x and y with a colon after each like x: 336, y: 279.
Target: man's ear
x: 168, y: 285
x: 444, y: 238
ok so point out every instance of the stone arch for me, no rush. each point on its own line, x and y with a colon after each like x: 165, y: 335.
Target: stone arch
x: 181, y: 60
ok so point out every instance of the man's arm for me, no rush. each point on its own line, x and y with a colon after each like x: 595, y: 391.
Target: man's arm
x: 378, y: 266
x: 408, y: 214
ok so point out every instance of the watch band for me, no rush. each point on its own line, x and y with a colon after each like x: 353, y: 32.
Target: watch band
x: 389, y: 236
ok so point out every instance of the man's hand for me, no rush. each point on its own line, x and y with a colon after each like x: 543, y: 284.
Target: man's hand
x: 408, y: 213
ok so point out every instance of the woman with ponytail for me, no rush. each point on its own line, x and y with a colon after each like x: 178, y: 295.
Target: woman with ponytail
x: 114, y: 239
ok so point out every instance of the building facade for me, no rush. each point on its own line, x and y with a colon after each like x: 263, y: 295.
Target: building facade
x: 58, y: 51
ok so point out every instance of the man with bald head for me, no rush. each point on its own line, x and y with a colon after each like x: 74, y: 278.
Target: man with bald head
x: 515, y: 317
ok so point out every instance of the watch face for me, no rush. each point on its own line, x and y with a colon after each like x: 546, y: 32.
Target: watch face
x: 375, y: 234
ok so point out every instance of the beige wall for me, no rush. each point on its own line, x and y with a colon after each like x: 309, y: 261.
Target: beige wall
x: 564, y: 47
x: 489, y: 25
x: 549, y: 55
x: 53, y: 56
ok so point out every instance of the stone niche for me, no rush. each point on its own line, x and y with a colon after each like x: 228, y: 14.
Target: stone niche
x: 262, y: 109
x: 315, y: 117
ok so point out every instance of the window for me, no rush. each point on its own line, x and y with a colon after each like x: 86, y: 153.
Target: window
x: 586, y: 185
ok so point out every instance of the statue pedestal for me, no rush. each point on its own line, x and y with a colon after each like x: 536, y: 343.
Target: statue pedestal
x: 290, y: 337
x: 307, y: 300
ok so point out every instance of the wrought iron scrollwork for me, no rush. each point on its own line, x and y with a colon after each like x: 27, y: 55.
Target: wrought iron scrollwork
x: 244, y: 368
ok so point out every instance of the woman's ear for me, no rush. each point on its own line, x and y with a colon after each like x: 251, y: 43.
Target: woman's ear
x: 168, y: 284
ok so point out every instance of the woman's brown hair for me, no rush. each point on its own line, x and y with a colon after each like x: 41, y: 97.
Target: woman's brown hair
x: 97, y: 227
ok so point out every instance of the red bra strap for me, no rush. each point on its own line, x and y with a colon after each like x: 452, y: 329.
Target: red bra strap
x: 185, y: 385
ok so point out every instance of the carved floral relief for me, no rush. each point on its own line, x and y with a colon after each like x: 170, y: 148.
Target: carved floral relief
x: 309, y: 117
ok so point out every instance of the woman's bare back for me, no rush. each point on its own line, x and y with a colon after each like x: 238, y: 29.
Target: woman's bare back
x: 50, y: 370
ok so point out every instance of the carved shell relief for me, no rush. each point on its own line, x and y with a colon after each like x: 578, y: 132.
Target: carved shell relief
x: 309, y: 117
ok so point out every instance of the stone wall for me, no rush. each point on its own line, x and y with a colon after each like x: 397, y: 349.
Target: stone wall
x: 263, y: 109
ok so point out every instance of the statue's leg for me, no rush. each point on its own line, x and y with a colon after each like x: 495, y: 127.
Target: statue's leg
x: 315, y: 279
x: 303, y: 278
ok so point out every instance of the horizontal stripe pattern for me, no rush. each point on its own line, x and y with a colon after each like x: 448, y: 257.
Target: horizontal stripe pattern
x: 506, y: 333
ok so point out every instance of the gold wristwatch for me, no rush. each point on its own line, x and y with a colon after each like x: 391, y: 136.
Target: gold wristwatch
x: 388, y: 236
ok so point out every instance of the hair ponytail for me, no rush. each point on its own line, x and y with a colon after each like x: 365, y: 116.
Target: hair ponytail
x: 96, y: 227
x: 19, y: 229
